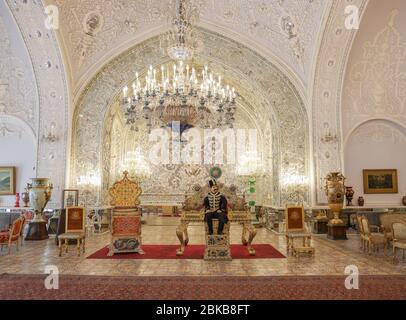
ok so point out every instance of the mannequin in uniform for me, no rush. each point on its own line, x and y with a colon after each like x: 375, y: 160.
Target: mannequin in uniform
x: 215, y: 207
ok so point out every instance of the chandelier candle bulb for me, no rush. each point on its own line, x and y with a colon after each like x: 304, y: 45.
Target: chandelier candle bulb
x: 159, y: 98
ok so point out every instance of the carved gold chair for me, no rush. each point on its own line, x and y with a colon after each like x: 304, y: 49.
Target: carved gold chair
x: 126, y: 217
x: 372, y: 240
x: 74, y: 229
x: 387, y: 220
x: 295, y: 228
x: 361, y: 232
x: 399, y: 238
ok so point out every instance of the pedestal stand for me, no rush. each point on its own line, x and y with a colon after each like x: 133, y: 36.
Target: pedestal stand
x: 337, y: 231
x: 37, y: 230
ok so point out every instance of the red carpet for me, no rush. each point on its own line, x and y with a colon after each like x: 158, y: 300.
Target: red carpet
x: 238, y: 251
x: 28, y: 286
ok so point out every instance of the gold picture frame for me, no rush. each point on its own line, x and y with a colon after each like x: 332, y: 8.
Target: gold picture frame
x: 378, y: 181
x: 7, y: 181
x: 70, y: 198
x: 75, y: 220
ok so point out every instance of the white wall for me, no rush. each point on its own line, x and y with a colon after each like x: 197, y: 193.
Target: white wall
x: 376, y: 144
x: 17, y: 149
x: 18, y: 105
x: 373, y: 99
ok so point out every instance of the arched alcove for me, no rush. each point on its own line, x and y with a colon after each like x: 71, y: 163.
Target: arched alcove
x: 18, y: 149
x: 266, y: 94
x: 376, y: 144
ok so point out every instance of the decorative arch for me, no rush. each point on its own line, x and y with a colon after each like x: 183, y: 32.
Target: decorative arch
x: 267, y: 91
x: 52, y: 90
x: 19, y: 126
x: 393, y: 122
x: 327, y: 94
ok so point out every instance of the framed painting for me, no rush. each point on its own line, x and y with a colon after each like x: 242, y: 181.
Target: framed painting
x: 70, y: 198
x: 7, y: 181
x: 380, y: 181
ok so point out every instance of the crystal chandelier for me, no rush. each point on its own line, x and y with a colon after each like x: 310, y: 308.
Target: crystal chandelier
x: 188, y: 94
x: 136, y: 164
x: 180, y: 41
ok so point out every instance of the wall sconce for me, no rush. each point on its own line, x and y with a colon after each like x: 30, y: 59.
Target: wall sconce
x: 329, y: 138
x: 50, y: 136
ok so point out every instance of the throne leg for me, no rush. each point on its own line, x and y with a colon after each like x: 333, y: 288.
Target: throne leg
x: 249, y: 229
x: 181, y: 233
x: 111, y: 249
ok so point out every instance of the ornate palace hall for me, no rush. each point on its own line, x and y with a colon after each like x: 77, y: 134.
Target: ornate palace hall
x: 202, y: 150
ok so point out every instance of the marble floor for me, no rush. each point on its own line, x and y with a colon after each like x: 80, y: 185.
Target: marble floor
x: 331, y: 257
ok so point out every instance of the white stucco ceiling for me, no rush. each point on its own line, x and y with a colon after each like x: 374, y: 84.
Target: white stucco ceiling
x: 256, y: 23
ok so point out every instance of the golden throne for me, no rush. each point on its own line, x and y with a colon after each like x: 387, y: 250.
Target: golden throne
x: 192, y: 211
x: 126, y: 217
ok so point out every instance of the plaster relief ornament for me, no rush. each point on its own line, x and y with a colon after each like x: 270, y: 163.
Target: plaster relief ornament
x: 93, y: 23
x: 3, y: 95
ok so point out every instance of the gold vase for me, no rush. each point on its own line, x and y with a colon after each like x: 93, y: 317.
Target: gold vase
x: 335, y: 192
x: 39, y: 192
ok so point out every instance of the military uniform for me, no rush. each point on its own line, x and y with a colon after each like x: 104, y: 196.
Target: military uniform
x: 215, y: 205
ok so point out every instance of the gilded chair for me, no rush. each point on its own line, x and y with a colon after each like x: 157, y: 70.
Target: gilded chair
x: 372, y: 240
x: 295, y: 228
x: 387, y: 220
x: 361, y: 232
x: 399, y: 238
x: 126, y: 217
x: 13, y: 235
x: 75, y: 229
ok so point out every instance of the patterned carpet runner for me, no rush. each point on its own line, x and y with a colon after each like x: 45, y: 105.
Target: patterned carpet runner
x: 13, y: 286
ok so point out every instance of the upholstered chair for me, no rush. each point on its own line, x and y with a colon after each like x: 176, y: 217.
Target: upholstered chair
x: 13, y: 235
x: 296, y: 228
x: 361, y: 232
x: 75, y: 230
x: 372, y: 240
x: 399, y: 238
x: 387, y: 220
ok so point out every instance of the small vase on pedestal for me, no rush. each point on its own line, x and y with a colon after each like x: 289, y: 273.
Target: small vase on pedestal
x: 349, y: 194
x: 26, y: 198
x: 39, y: 192
x: 404, y: 200
x: 361, y: 201
x: 17, y: 204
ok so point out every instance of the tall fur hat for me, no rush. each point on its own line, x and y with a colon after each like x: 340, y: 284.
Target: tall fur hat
x: 212, y: 183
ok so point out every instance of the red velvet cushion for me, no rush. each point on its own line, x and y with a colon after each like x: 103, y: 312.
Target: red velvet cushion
x: 4, y: 236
